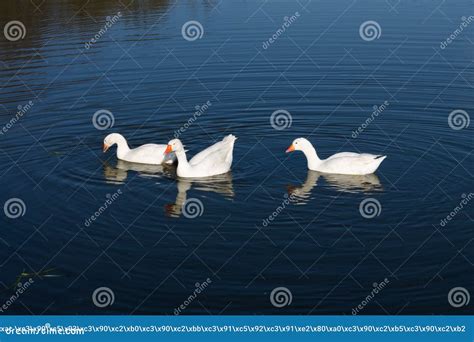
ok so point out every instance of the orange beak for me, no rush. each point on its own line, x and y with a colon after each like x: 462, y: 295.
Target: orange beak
x: 105, y: 148
x: 169, y: 149
x: 290, y: 149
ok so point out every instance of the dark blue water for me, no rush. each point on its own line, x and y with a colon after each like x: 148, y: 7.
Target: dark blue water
x: 317, y: 245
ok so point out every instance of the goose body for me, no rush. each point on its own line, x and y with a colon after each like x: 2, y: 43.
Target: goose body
x: 145, y: 154
x: 214, y: 160
x: 345, y: 163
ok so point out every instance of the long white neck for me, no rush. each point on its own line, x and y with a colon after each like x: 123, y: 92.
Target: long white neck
x: 122, y: 146
x: 182, y: 161
x: 311, y: 157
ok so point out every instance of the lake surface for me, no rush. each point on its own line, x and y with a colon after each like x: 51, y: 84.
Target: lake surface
x: 269, y: 237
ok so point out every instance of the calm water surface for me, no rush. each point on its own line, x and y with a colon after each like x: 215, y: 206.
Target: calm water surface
x: 145, y: 249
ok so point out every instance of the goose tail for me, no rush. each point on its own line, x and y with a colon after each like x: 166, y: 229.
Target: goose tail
x: 230, y: 138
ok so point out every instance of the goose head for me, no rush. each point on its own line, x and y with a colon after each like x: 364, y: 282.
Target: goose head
x: 299, y: 144
x: 174, y: 145
x: 111, y: 140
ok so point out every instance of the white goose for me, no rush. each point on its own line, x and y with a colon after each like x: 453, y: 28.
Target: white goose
x: 214, y: 160
x: 345, y: 163
x: 145, y: 154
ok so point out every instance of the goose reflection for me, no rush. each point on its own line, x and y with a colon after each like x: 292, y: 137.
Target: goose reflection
x: 221, y: 184
x: 346, y: 183
x: 119, y: 173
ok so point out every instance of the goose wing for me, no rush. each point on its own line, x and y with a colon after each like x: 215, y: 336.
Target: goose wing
x: 215, y: 153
